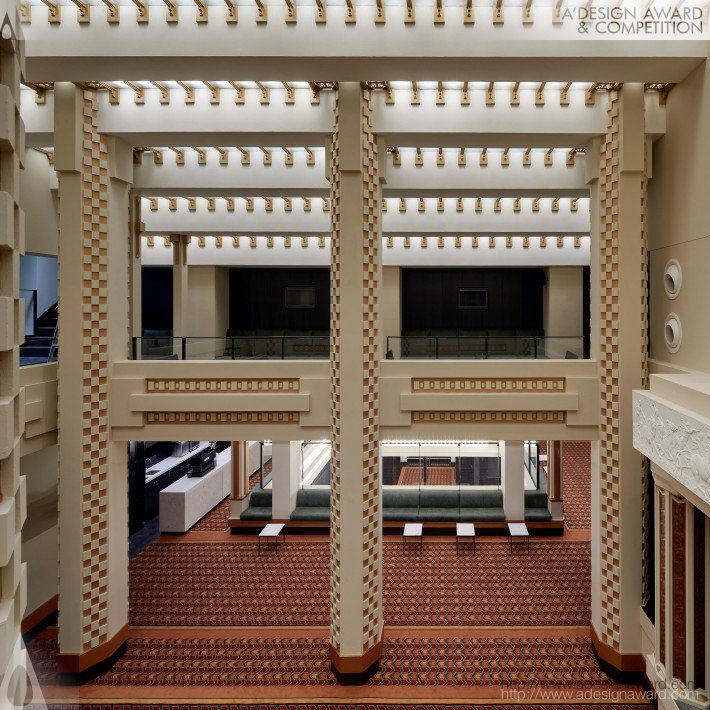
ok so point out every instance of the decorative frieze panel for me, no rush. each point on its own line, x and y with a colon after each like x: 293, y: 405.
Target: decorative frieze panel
x: 674, y: 440
x: 222, y: 417
x: 221, y: 385
x: 489, y: 417
x: 488, y: 384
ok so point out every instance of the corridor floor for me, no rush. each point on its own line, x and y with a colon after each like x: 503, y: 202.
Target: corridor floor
x: 213, y: 623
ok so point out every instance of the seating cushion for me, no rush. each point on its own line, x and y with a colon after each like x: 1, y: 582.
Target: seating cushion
x: 481, y: 499
x: 439, y: 515
x: 535, y: 499
x: 260, y: 498
x: 313, y: 498
x: 399, y: 498
x: 473, y: 515
x: 311, y: 513
x: 537, y: 514
x: 256, y: 513
x: 408, y: 515
x: 439, y: 499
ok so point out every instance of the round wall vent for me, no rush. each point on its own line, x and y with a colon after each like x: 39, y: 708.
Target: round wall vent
x: 672, y: 278
x: 673, y: 332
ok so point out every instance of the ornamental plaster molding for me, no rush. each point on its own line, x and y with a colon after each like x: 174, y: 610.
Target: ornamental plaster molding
x: 675, y: 440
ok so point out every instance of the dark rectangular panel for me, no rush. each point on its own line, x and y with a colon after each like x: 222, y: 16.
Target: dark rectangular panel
x: 699, y: 599
x: 678, y: 583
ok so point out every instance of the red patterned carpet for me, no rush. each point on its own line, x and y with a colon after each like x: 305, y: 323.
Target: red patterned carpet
x: 577, y: 484
x: 303, y: 661
x: 227, y: 584
x: 435, y: 476
x: 216, y: 520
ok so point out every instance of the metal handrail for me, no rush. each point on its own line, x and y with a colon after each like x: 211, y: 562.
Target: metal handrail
x: 179, y: 344
x: 433, y: 344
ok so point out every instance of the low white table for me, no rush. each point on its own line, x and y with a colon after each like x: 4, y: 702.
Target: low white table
x: 518, y: 530
x: 413, y: 530
x: 465, y: 530
x: 272, y: 531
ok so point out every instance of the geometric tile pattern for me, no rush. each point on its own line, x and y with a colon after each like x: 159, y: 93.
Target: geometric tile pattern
x: 552, y: 417
x: 94, y: 367
x: 488, y: 384
x: 429, y: 587
x: 359, y: 341
x: 610, y: 563
x: 565, y: 662
x: 218, y: 385
x: 576, y: 484
x: 13, y: 591
x: 221, y: 417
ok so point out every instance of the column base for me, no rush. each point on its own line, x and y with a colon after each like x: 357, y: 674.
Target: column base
x: 83, y: 665
x: 620, y: 664
x: 354, y: 670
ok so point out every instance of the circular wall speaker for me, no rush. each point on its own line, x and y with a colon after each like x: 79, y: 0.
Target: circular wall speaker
x: 672, y: 278
x: 673, y: 332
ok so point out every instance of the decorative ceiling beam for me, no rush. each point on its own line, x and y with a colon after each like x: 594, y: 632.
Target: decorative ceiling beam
x: 265, y: 94
x: 189, y: 92
x: 245, y: 156
x: 321, y: 12
x: 527, y: 13
x: 409, y: 15
x: 142, y: 15
x: 179, y: 156
x: 380, y: 17
x: 202, y: 13
x: 415, y: 94
x: 164, y: 92
x: 262, y: 14
x: 491, y: 94
x: 439, y: 18
x: 40, y: 90
x: 465, y: 95
x: 172, y: 15
x: 83, y: 14
x: 223, y: 155
x: 139, y: 92
x: 239, y: 95
x: 540, y: 94
x: 515, y: 94
x: 291, y: 13
x: 350, y: 13
x: 201, y: 155
x: 113, y: 15
x: 564, y: 94
x: 290, y: 93
x: 214, y: 92
x: 469, y: 17
x: 54, y: 16
x: 232, y: 12
x: 267, y: 155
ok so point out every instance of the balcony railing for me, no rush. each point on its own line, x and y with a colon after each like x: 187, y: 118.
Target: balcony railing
x: 253, y: 347
x: 317, y: 347
x: 483, y: 347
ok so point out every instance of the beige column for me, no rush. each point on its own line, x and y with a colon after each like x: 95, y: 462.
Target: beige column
x: 285, y: 478
x: 355, y: 341
x: 94, y: 180
x: 13, y: 573
x: 180, y: 308
x: 512, y: 474
x: 621, y: 346
x: 554, y: 479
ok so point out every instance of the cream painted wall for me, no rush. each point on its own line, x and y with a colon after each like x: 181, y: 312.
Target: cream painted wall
x: 679, y: 222
x: 39, y: 204
x: 563, y: 301
x: 208, y: 300
x: 40, y: 532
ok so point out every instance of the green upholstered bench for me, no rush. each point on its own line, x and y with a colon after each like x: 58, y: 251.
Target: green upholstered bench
x: 481, y: 506
x: 312, y: 504
x: 536, y: 509
x: 401, y: 505
x: 259, y: 506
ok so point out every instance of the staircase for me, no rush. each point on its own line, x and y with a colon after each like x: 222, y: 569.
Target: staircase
x: 42, y: 346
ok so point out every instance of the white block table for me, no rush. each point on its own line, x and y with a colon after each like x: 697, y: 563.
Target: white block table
x: 187, y: 500
x: 518, y: 530
x: 413, y: 530
x: 463, y: 531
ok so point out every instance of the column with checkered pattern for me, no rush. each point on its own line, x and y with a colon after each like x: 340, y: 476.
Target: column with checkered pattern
x: 356, y: 555
x: 13, y: 591
x: 623, y: 304
x: 94, y: 174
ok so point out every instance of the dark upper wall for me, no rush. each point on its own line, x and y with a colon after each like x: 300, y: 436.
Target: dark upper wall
x: 257, y: 299
x: 157, y: 298
x: 430, y: 299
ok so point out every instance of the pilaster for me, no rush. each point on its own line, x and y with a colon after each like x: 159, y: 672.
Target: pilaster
x: 623, y: 308
x: 13, y: 572
x: 93, y: 333
x: 356, y: 527
x: 285, y: 461
x: 512, y: 471
x: 180, y: 309
x: 554, y: 479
